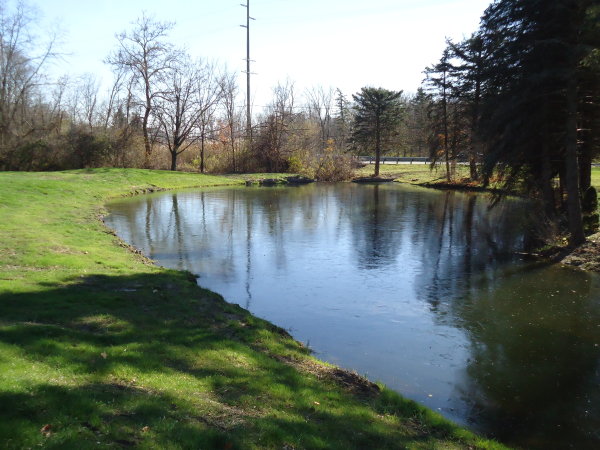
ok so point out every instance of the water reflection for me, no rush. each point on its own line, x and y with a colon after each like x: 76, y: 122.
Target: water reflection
x: 534, y: 358
x: 424, y: 290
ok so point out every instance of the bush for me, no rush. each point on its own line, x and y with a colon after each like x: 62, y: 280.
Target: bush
x: 327, y: 166
x: 87, y: 149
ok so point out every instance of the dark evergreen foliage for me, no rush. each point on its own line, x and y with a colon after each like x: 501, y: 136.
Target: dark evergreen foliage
x: 378, y: 113
x: 528, y: 82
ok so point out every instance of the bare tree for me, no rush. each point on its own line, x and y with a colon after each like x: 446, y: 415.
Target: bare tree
x: 230, y: 93
x: 320, y: 103
x: 89, y: 87
x: 112, y: 96
x: 146, y: 54
x: 58, y: 100
x: 189, y: 90
x: 23, y: 55
x: 209, y: 94
x: 270, y: 146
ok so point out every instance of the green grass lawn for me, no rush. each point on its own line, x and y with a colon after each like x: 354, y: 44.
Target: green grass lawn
x: 596, y: 178
x: 100, y: 348
x: 414, y: 173
x: 422, y: 174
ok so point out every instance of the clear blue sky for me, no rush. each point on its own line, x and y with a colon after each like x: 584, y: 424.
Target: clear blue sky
x: 340, y: 43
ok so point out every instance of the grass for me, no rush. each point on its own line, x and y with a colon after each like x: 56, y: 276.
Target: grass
x: 596, y: 178
x: 413, y: 173
x: 100, y: 348
x: 421, y: 174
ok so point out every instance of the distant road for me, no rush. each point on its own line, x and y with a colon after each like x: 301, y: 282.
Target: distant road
x: 401, y: 162
x: 395, y: 160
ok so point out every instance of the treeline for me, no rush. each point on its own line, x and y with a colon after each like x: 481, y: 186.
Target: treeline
x: 163, y: 109
x: 519, y: 100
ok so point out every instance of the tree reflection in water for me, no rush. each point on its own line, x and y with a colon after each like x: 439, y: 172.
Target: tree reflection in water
x: 424, y: 290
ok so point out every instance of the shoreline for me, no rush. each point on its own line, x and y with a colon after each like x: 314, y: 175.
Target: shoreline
x: 108, y: 347
x: 585, y: 257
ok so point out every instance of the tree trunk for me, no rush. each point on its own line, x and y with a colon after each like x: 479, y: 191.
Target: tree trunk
x: 377, y: 149
x: 473, y: 167
x: 147, y: 147
x: 547, y: 194
x: 561, y: 189
x: 447, y: 167
x: 174, y: 160
x: 233, y: 151
x: 475, y: 123
x: 202, y: 153
x: 445, y: 106
x: 571, y: 166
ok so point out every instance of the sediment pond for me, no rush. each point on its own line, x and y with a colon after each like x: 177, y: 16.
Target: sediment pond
x: 424, y: 290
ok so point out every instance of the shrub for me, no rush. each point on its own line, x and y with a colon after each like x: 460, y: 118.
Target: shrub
x: 326, y: 166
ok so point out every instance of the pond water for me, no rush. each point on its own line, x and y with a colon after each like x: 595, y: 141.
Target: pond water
x: 424, y: 290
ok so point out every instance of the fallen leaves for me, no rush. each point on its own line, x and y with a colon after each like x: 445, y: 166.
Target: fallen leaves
x: 46, y: 429
x: 145, y: 429
x: 103, y: 355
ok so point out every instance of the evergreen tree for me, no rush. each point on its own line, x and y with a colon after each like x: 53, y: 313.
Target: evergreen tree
x: 342, y: 121
x: 532, y: 99
x: 439, y: 83
x: 418, y: 122
x: 469, y: 75
x: 378, y: 114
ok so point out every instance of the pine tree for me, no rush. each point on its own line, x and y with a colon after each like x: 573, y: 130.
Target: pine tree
x: 532, y: 100
x: 341, y: 121
x: 439, y: 83
x: 378, y: 114
x: 418, y: 122
x: 469, y: 76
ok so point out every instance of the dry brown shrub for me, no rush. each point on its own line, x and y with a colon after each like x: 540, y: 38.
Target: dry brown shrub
x: 327, y: 166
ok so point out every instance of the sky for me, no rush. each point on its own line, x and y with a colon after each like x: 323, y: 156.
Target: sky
x: 345, y: 44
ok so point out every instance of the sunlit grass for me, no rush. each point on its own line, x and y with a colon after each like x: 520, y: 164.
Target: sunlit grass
x: 100, y: 348
x: 416, y: 173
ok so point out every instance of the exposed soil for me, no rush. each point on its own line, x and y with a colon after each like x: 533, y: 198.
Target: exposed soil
x: 349, y: 380
x: 586, y: 256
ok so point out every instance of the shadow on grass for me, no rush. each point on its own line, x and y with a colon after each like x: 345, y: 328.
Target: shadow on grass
x: 154, y: 360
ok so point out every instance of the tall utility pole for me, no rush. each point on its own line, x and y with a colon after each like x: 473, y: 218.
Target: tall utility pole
x: 248, y: 73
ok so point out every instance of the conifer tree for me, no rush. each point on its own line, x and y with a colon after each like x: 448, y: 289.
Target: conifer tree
x: 378, y: 114
x: 469, y: 76
x: 533, y: 82
x: 439, y: 83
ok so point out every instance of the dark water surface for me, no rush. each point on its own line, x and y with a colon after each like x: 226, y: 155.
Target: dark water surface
x: 421, y: 289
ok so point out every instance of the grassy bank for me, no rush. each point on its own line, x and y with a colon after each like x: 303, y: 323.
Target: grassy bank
x: 100, y: 348
x: 421, y: 174
x: 413, y: 173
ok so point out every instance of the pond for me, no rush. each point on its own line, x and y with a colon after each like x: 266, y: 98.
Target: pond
x: 424, y: 290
